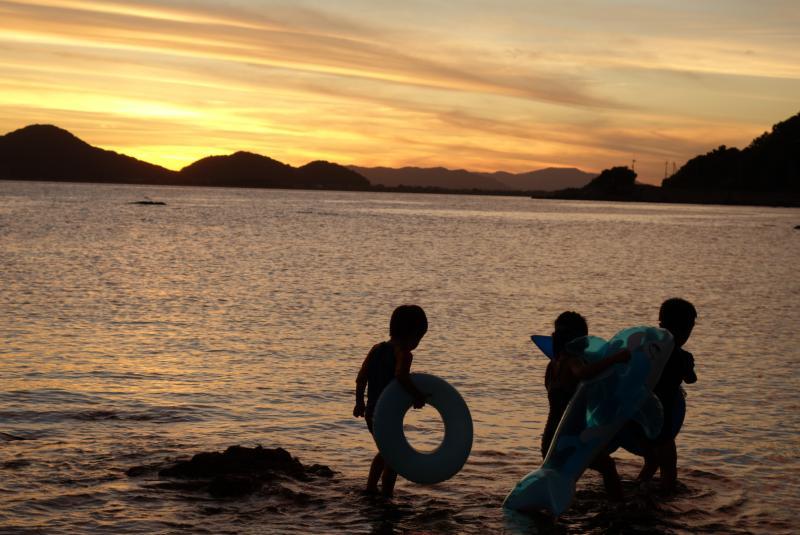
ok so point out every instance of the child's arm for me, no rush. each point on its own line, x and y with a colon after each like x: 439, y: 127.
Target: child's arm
x: 361, y: 385
x: 688, y: 369
x: 401, y: 371
x: 587, y: 371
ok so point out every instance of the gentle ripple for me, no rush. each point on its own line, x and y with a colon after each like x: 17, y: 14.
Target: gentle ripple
x: 135, y: 334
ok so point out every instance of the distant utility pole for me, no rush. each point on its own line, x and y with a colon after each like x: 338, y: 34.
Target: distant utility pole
x: 633, y: 165
x: 666, y: 166
x: 674, y: 169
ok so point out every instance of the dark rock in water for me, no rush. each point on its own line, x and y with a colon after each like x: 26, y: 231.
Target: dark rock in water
x: 136, y: 471
x: 233, y: 485
x: 320, y: 470
x: 9, y: 437
x: 238, y: 471
x: 150, y: 203
x: 192, y: 485
x: 237, y: 460
x: 16, y: 463
x: 139, y: 471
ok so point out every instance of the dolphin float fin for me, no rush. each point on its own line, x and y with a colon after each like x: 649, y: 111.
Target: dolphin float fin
x: 545, y: 344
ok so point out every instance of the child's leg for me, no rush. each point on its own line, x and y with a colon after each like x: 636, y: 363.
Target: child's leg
x: 388, y: 480
x: 667, y: 455
x: 650, y: 466
x: 375, y: 471
x: 611, y: 481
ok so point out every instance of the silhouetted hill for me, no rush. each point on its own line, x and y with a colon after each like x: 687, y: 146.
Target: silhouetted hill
x: 614, y: 181
x: 434, y: 177
x: 245, y: 169
x: 240, y: 169
x: 322, y: 174
x: 615, y: 184
x: 548, y: 179
x: 770, y: 164
x: 46, y: 152
x: 767, y: 172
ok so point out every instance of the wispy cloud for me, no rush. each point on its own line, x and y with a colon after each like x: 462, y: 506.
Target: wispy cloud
x: 270, y: 44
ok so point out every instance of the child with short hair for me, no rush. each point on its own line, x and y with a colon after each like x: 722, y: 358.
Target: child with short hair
x: 678, y: 316
x: 562, y: 376
x: 384, y: 362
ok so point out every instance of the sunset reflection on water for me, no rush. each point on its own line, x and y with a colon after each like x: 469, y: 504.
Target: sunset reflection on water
x: 131, y: 334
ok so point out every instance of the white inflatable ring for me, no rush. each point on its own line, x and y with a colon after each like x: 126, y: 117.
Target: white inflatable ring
x: 445, y: 461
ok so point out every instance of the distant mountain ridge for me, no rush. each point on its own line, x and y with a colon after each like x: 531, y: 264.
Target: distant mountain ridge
x: 549, y: 179
x: 767, y: 172
x: 46, y: 152
x: 428, y: 177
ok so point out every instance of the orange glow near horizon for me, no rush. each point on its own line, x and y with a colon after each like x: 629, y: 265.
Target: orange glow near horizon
x: 513, y: 85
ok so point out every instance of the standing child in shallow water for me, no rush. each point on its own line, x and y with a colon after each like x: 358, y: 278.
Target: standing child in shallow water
x: 384, y: 362
x: 562, y: 376
x: 678, y: 317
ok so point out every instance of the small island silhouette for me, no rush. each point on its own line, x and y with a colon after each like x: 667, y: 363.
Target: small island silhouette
x: 767, y: 172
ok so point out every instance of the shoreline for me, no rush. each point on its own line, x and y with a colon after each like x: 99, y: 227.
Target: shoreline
x: 655, y: 194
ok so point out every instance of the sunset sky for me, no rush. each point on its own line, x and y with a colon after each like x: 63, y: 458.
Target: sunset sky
x: 511, y: 85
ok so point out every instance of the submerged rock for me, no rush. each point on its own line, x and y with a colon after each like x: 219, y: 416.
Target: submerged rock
x: 8, y: 437
x: 16, y: 463
x: 237, y: 460
x: 237, y: 471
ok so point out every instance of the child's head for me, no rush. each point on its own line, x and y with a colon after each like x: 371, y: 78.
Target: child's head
x: 678, y: 317
x: 568, y: 326
x: 408, y: 325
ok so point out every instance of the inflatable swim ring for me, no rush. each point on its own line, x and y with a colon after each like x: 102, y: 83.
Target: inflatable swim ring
x: 446, y: 460
x: 595, y: 414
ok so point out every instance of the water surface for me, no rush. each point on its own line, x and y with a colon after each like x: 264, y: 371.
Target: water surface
x: 134, y: 334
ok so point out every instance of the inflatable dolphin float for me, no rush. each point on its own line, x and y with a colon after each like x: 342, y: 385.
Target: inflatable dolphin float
x: 649, y: 418
x: 596, y: 413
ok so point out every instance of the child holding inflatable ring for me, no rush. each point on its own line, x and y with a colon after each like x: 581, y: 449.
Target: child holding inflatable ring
x: 384, y: 362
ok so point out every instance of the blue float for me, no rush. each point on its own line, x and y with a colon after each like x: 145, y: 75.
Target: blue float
x: 597, y: 412
x: 627, y: 439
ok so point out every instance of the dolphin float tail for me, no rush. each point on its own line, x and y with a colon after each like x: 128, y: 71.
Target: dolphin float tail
x: 542, y: 489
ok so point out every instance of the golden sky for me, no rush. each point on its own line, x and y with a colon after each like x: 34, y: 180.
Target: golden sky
x: 511, y: 85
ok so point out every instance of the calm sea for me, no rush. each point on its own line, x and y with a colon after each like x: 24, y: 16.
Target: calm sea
x: 133, y: 334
